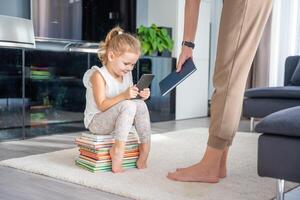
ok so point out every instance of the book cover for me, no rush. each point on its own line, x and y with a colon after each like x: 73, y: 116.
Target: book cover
x: 105, y: 157
x: 175, y: 78
x: 102, y: 169
x: 99, y: 138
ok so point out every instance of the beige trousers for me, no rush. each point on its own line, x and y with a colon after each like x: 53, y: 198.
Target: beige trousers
x: 241, y: 28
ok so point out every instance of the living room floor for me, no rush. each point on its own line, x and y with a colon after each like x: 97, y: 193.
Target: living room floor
x: 17, y: 184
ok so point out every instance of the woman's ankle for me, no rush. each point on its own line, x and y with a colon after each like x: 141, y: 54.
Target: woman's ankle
x: 212, y: 158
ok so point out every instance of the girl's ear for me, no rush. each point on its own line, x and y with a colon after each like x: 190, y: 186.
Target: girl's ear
x: 110, y: 56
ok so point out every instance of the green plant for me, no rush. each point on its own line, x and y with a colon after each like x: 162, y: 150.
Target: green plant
x: 154, y: 39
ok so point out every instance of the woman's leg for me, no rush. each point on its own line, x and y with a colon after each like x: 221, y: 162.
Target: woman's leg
x: 241, y: 28
x: 143, y: 128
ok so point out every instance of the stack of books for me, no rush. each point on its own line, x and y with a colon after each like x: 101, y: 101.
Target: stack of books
x: 94, y: 152
x: 40, y: 73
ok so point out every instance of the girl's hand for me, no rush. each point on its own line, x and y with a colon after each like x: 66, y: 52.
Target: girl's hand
x: 131, y: 92
x: 145, y: 93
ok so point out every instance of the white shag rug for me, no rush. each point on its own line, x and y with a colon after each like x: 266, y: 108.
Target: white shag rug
x: 169, y: 151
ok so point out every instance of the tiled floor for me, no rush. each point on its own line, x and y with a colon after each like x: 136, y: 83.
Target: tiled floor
x: 16, y: 184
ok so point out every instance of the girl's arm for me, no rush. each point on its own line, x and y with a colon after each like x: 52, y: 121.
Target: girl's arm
x: 103, y: 103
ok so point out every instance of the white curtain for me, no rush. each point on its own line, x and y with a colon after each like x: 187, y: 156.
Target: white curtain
x: 259, y: 75
x: 285, y: 37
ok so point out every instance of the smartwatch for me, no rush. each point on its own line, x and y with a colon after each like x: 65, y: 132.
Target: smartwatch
x: 188, y: 44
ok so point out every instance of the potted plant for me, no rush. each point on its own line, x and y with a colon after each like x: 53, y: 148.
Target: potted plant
x: 154, y: 40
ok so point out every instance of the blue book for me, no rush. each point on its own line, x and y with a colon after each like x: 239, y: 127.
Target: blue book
x: 175, y: 78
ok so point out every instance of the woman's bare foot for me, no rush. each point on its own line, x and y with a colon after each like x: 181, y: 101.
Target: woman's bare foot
x: 143, y: 156
x: 223, y: 164
x: 207, y: 170
x: 117, y: 153
x: 196, y: 173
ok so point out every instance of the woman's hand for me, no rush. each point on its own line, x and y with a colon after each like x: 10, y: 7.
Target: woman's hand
x: 131, y: 92
x: 145, y: 94
x: 186, y: 53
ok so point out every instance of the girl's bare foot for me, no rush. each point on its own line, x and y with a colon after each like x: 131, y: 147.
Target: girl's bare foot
x: 207, y: 170
x: 117, y: 153
x: 143, y: 156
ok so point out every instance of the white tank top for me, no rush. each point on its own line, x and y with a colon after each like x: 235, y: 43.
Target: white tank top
x: 113, y: 88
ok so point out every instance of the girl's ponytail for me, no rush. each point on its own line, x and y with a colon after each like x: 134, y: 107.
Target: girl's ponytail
x: 118, y: 42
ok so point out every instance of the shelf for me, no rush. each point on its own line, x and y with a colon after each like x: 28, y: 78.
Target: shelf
x: 40, y: 107
x: 11, y: 119
x: 54, y: 80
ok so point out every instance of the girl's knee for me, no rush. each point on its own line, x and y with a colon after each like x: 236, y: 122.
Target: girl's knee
x: 128, y: 106
x: 141, y: 105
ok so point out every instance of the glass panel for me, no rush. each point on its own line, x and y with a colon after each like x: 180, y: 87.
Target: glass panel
x: 55, y: 91
x: 11, y: 94
x: 161, y: 108
x: 94, y: 60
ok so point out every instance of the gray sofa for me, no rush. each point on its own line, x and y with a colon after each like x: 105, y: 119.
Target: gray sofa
x: 260, y: 102
x: 279, y: 147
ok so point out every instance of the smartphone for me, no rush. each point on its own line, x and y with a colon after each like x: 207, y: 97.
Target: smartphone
x: 144, y: 81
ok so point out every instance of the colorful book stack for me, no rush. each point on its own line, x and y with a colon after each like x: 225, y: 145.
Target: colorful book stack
x: 94, y: 152
x: 40, y: 73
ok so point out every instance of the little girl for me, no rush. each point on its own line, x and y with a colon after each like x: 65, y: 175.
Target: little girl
x: 110, y: 108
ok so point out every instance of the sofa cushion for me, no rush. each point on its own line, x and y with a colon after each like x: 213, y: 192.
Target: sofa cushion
x: 296, y: 76
x: 285, y: 122
x: 288, y: 92
x: 291, y: 63
x: 278, y: 157
x: 261, y: 107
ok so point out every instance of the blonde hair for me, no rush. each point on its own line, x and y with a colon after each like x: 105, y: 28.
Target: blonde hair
x: 118, y: 42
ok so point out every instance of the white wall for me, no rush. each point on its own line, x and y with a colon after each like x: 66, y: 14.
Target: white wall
x: 141, y: 13
x: 164, y: 13
x: 216, y: 11
x: 192, y: 94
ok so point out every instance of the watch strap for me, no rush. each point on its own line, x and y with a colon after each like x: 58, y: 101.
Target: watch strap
x: 188, y: 44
